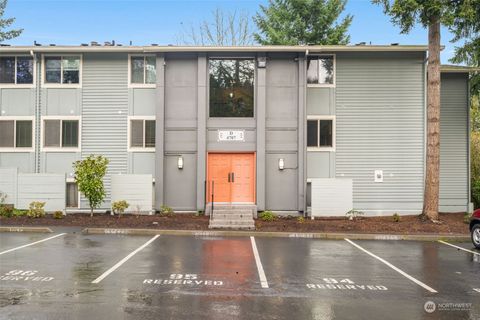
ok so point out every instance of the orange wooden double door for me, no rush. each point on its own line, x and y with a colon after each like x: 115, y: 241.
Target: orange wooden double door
x: 233, y: 175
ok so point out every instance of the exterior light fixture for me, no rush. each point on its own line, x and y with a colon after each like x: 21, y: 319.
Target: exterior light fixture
x: 281, y: 164
x: 231, y: 94
x: 180, y: 162
x: 262, y: 62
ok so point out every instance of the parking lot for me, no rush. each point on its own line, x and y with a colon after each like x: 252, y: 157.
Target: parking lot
x: 69, y: 275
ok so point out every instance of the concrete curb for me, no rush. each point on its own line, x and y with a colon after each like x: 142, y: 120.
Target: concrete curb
x: 315, y: 235
x: 26, y: 229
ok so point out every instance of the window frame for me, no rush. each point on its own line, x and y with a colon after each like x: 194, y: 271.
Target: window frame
x: 141, y: 85
x: 60, y: 148
x: 323, y: 85
x: 334, y: 133
x: 255, y: 70
x: 20, y: 85
x: 129, y: 131
x: 72, y: 180
x: 15, y: 148
x: 62, y: 85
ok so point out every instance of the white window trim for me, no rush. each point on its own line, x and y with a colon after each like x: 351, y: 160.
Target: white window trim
x: 334, y: 133
x: 325, y: 85
x: 61, y: 149
x: 129, y: 129
x: 19, y: 149
x: 140, y: 85
x: 72, y: 180
x: 62, y: 85
x: 21, y: 85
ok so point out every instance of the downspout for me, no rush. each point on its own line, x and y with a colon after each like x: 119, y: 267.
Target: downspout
x: 469, y: 161
x: 38, y: 101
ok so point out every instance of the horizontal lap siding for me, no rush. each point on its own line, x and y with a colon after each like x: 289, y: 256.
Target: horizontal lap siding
x: 380, y: 126
x: 454, y: 143
x: 104, y: 111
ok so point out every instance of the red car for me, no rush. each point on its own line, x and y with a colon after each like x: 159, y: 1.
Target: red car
x: 475, y: 228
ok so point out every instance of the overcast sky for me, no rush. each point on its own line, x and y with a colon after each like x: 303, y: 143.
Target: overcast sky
x: 71, y: 22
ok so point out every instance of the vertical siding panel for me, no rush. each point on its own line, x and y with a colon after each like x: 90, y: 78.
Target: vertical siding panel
x: 454, y: 143
x: 380, y: 125
x: 105, y: 110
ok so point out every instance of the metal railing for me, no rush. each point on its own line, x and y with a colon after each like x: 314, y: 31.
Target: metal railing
x: 209, y: 193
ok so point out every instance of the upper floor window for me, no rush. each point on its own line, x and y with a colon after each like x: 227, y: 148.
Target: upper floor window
x: 16, y: 70
x: 321, y: 70
x: 62, y: 70
x: 231, y: 87
x: 61, y: 134
x: 143, y: 70
x: 321, y: 133
x: 142, y: 133
x: 16, y: 134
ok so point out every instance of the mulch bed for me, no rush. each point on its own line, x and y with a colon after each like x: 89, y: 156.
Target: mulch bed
x: 452, y: 223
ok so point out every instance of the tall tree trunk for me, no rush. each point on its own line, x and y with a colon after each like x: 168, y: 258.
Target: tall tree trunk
x: 430, y: 203
x: 91, y: 211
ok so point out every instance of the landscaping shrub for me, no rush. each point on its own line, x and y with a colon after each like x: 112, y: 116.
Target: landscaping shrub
x: 166, y: 211
x: 267, y: 216
x: 6, y: 211
x: 300, y: 219
x: 58, y: 215
x: 475, y: 168
x: 396, y: 217
x: 19, y: 213
x: 466, y: 218
x: 353, y: 214
x: 118, y: 207
x: 35, y: 209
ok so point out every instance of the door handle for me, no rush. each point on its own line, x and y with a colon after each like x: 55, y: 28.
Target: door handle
x: 229, y: 177
x: 233, y: 177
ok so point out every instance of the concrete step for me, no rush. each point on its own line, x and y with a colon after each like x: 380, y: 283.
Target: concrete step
x: 232, y: 207
x: 232, y: 225
x: 232, y: 216
x: 231, y: 222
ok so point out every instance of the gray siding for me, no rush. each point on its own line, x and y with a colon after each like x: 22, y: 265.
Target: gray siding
x: 454, y: 143
x: 380, y: 126
x: 17, y: 102
x: 105, y: 110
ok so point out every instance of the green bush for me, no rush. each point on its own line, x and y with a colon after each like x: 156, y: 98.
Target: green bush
x: 58, y: 215
x: 166, y: 211
x: 475, y: 167
x: 300, y: 219
x: 35, y: 209
x: 119, y: 207
x: 466, y: 218
x: 476, y: 193
x: 396, y: 217
x: 267, y: 216
x: 353, y: 214
x: 19, y: 213
x: 6, y: 211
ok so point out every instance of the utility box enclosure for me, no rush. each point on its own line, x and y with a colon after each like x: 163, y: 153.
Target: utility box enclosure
x: 136, y: 189
x: 331, y: 197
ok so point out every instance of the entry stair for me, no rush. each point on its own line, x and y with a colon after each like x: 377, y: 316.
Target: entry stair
x: 225, y: 216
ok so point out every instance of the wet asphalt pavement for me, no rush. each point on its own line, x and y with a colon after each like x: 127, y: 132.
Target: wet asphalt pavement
x: 76, y: 276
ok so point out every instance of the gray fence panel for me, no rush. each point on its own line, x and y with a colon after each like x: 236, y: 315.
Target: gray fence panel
x: 49, y: 188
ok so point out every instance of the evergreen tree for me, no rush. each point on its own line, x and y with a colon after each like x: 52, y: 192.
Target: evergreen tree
x: 302, y: 22
x: 5, y: 23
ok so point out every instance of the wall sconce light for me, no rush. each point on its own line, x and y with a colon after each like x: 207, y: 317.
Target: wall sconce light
x: 262, y: 62
x: 180, y: 162
x: 281, y: 164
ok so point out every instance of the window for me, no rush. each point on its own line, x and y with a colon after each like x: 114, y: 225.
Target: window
x: 142, y: 134
x: 16, y: 70
x: 143, y: 70
x: 321, y: 70
x: 61, y: 134
x: 231, y: 87
x: 16, y: 134
x: 72, y: 195
x: 321, y: 133
x: 62, y: 69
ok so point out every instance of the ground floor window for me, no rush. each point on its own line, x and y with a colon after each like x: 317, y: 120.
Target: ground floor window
x: 320, y: 133
x: 72, y: 195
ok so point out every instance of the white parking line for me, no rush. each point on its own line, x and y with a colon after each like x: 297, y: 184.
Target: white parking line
x: 403, y: 273
x: 119, y: 263
x: 459, y: 248
x: 31, y: 244
x: 261, y: 273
